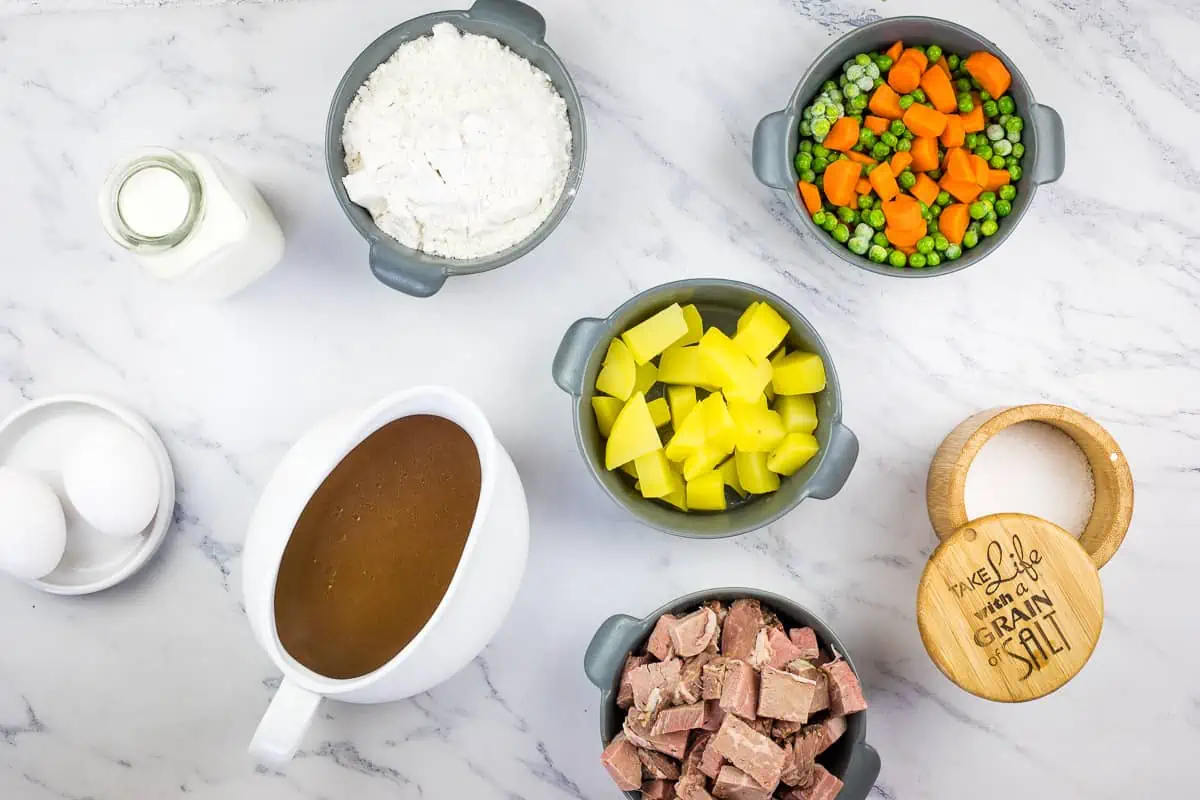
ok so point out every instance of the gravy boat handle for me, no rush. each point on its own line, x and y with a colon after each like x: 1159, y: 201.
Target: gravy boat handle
x: 283, y: 727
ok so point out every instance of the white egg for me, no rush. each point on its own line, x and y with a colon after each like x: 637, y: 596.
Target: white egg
x: 33, y: 530
x: 111, y: 479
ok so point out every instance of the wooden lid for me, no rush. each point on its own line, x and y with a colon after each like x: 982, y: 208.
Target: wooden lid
x: 1010, y: 607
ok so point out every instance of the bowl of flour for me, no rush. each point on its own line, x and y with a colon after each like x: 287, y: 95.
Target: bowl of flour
x: 455, y: 144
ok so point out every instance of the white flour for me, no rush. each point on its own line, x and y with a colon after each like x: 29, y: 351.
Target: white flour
x: 1032, y: 468
x: 457, y: 146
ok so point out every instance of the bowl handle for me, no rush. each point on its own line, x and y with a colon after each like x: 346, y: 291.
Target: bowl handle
x: 770, y: 137
x: 608, y: 648
x: 404, y: 274
x: 861, y: 774
x: 1052, y: 145
x: 573, y: 352
x: 283, y: 727
x: 835, y: 469
x: 510, y: 12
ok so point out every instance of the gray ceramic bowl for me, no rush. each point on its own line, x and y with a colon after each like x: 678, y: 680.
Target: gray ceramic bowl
x: 523, y: 30
x: 777, y: 137
x: 721, y: 302
x: 851, y: 758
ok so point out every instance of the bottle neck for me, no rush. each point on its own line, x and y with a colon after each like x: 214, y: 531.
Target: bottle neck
x: 129, y: 177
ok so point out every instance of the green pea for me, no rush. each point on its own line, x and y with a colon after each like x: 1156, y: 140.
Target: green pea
x: 933, y: 260
x: 925, y: 245
x: 1003, y: 119
x: 965, y: 104
x: 933, y: 52
x: 841, y: 233
x: 828, y: 86
x: 916, y: 260
x: 808, y: 176
x: 1018, y: 149
x: 1014, y: 124
x: 803, y: 161
x: 1003, y: 147
x: 943, y: 198
x: 997, y: 162
x: 907, y: 134
x: 877, y: 253
x: 906, y: 101
x: 806, y: 146
x: 1003, y: 208
x: 952, y: 61
x: 866, y: 137
x: 934, y: 174
x: 975, y: 83
x: 877, y: 220
x: 847, y: 215
x: 805, y: 127
x: 859, y: 246
x: 889, y: 138
x: 880, y: 238
x: 878, y: 82
x: 897, y: 259
x: 863, y: 231
x: 971, y: 141
x: 880, y: 151
x: 984, y: 151
x: 884, y: 63
x: 940, y: 242
x: 994, y: 132
x: 991, y: 217
x: 1012, y: 161
x: 989, y: 227
x: 987, y: 197
x: 897, y: 128
x: 953, y: 251
x: 984, y: 96
x: 862, y: 59
x: 990, y: 109
x: 1007, y: 106
x: 865, y: 202
x: 963, y: 85
x: 978, y: 210
x: 830, y: 222
x: 935, y: 211
x: 904, y: 145
x: 820, y: 129
x: 1008, y: 192
x: 819, y: 164
x: 867, y: 168
x: 1013, y: 136
x: 974, y: 226
x: 859, y: 102
x: 1014, y: 172
x: 919, y: 95
x: 970, y: 239
x: 819, y: 151
x: 818, y: 217
x: 907, y: 179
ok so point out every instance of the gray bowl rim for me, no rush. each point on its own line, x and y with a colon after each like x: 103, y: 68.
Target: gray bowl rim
x: 832, y: 385
x: 335, y: 155
x: 819, y: 65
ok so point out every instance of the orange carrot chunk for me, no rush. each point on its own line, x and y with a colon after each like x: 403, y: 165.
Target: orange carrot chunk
x: 958, y: 165
x: 907, y: 249
x: 990, y: 71
x: 901, y: 161
x: 924, y: 153
x: 843, y: 135
x: 811, y: 196
x: 924, y: 121
x: 996, y: 179
x: 925, y: 189
x: 861, y: 158
x: 981, y: 170
x: 917, y: 57
x: 863, y: 186
x: 973, y: 120
x: 904, y: 76
x: 902, y: 212
x: 964, y: 190
x: 875, y: 125
x: 945, y: 65
x: 955, y: 134
x: 886, y: 103
x: 895, y: 50
x: 884, y: 182
x: 953, y: 222
x: 937, y: 87
x: 905, y: 237
x: 840, y: 177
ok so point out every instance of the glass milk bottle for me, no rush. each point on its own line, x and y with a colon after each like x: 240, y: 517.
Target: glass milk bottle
x: 190, y: 221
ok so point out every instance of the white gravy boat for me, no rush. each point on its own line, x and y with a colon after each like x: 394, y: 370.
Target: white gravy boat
x: 480, y: 594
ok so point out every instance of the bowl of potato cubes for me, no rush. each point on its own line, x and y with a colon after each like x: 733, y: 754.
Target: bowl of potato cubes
x: 707, y: 408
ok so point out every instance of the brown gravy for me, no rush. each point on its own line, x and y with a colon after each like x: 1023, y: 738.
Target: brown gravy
x: 376, y: 547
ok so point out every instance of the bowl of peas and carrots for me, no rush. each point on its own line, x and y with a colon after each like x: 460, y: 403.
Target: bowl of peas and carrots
x: 911, y: 147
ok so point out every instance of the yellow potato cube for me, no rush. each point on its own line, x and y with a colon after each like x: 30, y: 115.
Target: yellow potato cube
x: 744, y: 319
x: 633, y: 433
x: 759, y: 430
x: 683, y: 366
x: 729, y: 364
x: 799, y: 373
x: 606, y: 410
x: 682, y: 400
x: 689, y: 436
x: 756, y: 385
x: 706, y: 492
x: 655, y: 475
x: 649, y: 338
x: 677, y: 498
x: 799, y: 412
x: 762, y: 332
x: 719, y: 428
x: 793, y: 453
x: 703, y: 460
x: 753, y: 473
x: 660, y: 412
x: 645, y: 378
x: 729, y: 474
x: 695, y: 324
x: 629, y: 469
x: 619, y: 373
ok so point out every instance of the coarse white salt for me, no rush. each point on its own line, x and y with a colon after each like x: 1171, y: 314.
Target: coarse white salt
x: 1032, y: 468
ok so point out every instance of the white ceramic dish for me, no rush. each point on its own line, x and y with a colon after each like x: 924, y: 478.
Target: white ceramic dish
x: 37, y: 437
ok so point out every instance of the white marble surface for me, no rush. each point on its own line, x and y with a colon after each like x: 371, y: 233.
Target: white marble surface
x: 152, y: 690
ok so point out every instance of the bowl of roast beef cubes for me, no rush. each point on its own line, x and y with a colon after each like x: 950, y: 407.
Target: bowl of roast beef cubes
x: 736, y: 694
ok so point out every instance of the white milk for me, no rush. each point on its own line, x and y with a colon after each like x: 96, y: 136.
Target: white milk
x: 191, y: 221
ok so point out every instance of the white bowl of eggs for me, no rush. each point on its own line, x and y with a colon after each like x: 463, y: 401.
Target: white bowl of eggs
x: 87, y: 494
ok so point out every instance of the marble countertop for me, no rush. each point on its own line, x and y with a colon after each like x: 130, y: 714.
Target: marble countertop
x: 152, y: 690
